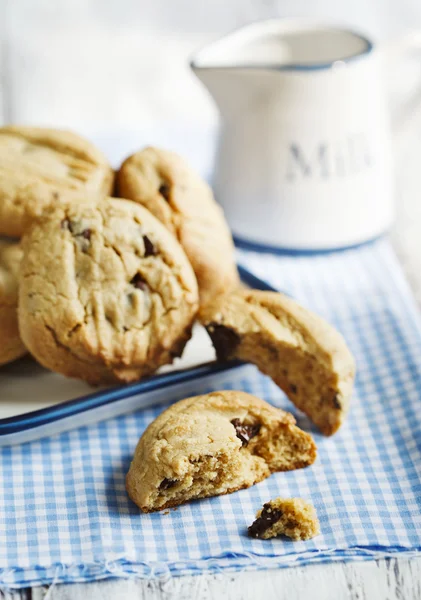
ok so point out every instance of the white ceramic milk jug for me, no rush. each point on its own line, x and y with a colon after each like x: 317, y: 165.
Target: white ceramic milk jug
x: 304, y: 159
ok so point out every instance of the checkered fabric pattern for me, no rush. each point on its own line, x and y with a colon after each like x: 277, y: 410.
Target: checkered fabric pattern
x: 65, y: 516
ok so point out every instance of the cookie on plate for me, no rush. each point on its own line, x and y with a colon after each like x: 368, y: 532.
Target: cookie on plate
x: 292, y: 517
x: 304, y: 355
x: 11, y: 346
x: 39, y: 167
x: 166, y: 185
x: 211, y: 445
x: 106, y: 292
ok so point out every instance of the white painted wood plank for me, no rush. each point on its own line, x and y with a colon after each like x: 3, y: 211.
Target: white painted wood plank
x: 392, y: 579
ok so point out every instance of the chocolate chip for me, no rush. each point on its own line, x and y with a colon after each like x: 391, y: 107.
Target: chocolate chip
x: 178, y: 348
x: 224, y: 339
x: 56, y: 195
x: 164, y: 190
x: 130, y: 298
x: 149, y: 247
x: 293, y: 388
x: 139, y: 282
x: 336, y: 402
x: 66, y: 224
x: 245, y: 432
x: 267, y: 518
x: 166, y: 484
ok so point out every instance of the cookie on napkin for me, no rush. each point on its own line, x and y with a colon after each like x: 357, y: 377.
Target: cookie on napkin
x: 291, y: 517
x: 304, y: 355
x: 211, y: 445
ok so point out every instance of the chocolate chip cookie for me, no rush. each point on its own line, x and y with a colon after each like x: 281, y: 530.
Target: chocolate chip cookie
x: 106, y: 292
x: 292, y: 517
x: 173, y: 192
x: 212, y: 445
x: 303, y: 354
x: 39, y: 167
x: 11, y: 346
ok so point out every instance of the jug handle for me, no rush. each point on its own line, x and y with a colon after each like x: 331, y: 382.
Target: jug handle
x: 406, y: 109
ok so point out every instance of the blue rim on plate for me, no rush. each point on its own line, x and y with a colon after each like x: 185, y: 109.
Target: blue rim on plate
x: 43, y: 416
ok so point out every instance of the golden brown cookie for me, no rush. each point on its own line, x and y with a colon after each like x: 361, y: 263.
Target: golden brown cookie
x: 292, y: 517
x: 166, y: 185
x: 106, y: 292
x: 39, y: 167
x: 212, y: 445
x: 11, y: 346
x: 301, y: 352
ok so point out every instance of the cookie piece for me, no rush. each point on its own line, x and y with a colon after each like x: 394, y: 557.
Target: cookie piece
x: 11, y: 346
x: 293, y: 517
x: 305, y: 356
x: 39, y: 167
x: 211, y: 445
x: 106, y: 292
x: 166, y: 185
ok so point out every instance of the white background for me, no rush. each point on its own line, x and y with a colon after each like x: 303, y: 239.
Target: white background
x: 121, y: 64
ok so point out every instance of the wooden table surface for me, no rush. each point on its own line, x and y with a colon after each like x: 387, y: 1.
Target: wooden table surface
x: 388, y: 579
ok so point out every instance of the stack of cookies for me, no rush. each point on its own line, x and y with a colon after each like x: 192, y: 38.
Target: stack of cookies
x: 109, y: 289
x: 108, y: 278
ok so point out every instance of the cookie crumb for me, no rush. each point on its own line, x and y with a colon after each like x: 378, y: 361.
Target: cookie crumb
x: 292, y: 517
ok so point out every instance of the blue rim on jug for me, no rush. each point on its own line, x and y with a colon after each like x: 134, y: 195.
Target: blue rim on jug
x: 302, y: 24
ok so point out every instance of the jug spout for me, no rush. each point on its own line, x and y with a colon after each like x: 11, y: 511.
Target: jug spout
x: 257, y: 45
x: 232, y: 90
x: 242, y: 62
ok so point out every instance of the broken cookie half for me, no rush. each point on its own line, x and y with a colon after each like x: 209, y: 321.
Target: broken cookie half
x: 304, y: 355
x: 291, y: 517
x: 211, y: 445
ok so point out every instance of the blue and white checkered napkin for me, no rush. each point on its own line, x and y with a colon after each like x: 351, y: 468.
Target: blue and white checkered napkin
x: 65, y: 516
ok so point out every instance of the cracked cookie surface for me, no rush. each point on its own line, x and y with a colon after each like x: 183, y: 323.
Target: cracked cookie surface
x: 39, y: 167
x: 166, y: 185
x: 11, y: 345
x: 292, y: 517
x: 211, y: 445
x: 304, y: 355
x: 106, y: 292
